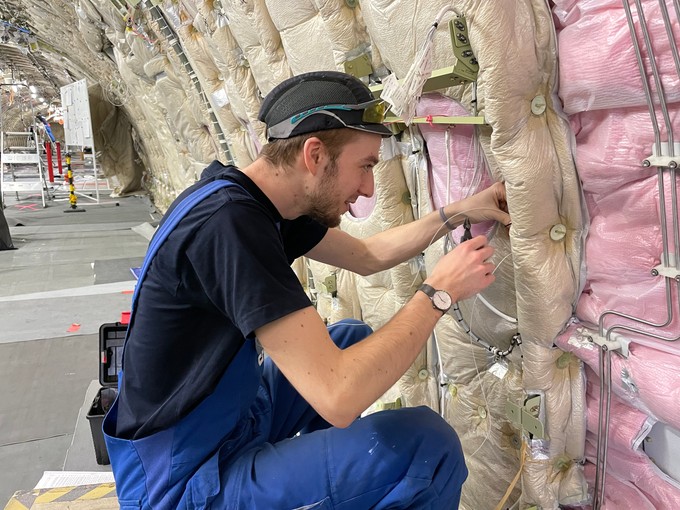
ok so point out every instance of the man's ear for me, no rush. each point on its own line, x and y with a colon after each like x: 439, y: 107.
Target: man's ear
x: 314, y: 154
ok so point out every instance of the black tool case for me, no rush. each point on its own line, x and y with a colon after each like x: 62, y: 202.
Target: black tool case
x: 111, y: 340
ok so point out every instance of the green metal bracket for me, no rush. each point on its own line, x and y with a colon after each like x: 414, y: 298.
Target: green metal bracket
x: 359, y: 66
x: 439, y: 79
x: 383, y: 406
x: 121, y: 6
x: 466, y: 68
x: 330, y: 283
x: 440, y: 119
x: 464, y: 71
x: 525, y: 417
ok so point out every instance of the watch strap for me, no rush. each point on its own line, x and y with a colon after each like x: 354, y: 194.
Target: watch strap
x: 427, y: 289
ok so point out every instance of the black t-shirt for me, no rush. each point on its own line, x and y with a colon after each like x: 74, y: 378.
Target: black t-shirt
x: 223, y: 272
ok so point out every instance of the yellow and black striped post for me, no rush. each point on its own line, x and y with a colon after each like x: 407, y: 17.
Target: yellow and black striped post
x: 72, y: 197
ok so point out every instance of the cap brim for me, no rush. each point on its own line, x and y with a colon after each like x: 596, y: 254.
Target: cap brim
x: 378, y: 129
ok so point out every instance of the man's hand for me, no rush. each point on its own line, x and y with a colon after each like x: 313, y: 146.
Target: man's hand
x: 464, y: 271
x: 488, y: 204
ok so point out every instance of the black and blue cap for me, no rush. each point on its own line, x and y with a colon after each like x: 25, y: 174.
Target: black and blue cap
x: 321, y: 100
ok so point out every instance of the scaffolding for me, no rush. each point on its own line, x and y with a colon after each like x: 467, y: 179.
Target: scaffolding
x: 21, y: 167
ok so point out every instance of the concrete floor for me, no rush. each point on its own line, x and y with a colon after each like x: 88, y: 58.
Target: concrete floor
x: 69, y: 274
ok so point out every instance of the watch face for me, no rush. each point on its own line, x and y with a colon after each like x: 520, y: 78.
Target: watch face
x: 441, y: 300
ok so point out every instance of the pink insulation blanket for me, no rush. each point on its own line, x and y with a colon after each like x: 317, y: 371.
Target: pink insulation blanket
x: 597, y: 61
x: 363, y: 207
x: 627, y: 464
x: 633, y: 482
x: 463, y: 171
x: 649, y: 379
x: 601, y: 88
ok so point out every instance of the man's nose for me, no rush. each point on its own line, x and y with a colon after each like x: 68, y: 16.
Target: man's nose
x: 367, y: 187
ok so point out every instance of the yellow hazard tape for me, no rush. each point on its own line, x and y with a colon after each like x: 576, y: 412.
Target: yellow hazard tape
x: 52, y: 494
x: 27, y: 500
x: 15, y: 505
x: 102, y: 491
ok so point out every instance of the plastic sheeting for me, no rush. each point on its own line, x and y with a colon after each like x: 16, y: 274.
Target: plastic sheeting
x: 532, y: 153
x: 598, y: 58
x: 623, y: 197
x: 330, y: 24
x: 627, y: 462
x: 648, y: 379
x: 258, y: 39
x: 614, y: 134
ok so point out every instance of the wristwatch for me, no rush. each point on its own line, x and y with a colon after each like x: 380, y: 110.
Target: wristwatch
x: 441, y: 300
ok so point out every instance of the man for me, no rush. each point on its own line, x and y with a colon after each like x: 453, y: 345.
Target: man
x: 204, y: 419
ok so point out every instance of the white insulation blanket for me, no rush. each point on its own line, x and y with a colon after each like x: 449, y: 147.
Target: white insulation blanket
x: 538, y: 284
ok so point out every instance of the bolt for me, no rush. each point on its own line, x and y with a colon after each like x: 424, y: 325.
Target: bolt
x: 646, y: 163
x: 473, y: 61
x: 462, y: 38
x: 672, y: 164
x: 655, y: 272
x: 677, y: 278
x: 459, y: 25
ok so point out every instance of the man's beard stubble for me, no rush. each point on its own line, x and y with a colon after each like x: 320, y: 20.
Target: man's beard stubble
x: 322, y: 206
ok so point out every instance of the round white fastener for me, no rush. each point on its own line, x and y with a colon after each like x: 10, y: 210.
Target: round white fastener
x: 558, y: 232
x: 482, y: 412
x: 423, y: 374
x: 538, y: 105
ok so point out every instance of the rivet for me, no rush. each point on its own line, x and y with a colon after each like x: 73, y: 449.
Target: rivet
x: 538, y: 105
x: 564, y: 360
x: 558, y: 232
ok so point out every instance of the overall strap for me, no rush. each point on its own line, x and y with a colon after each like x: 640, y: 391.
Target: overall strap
x: 179, y: 212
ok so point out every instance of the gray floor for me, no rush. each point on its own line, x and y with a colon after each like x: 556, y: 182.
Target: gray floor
x: 69, y: 274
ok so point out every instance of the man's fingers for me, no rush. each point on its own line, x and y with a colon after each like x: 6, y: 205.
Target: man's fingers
x: 477, y: 242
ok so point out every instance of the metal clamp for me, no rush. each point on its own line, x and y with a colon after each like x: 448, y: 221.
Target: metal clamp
x: 669, y: 271
x: 526, y: 417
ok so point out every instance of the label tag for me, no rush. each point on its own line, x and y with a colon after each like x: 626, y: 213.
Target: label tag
x: 394, y: 94
x: 499, y: 369
x: 335, y: 304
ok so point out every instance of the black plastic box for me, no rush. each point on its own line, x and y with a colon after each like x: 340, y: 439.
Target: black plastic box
x: 111, y: 340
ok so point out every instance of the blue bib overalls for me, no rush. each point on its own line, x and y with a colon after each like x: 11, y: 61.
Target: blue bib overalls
x: 239, y: 449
